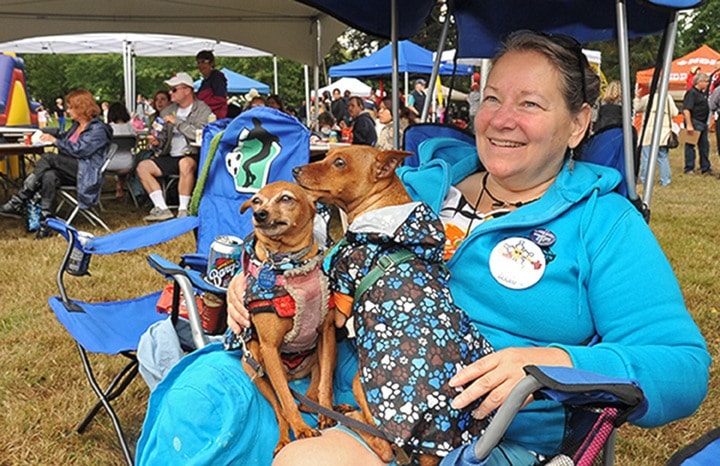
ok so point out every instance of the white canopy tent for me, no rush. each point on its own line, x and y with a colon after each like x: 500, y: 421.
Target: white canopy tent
x: 284, y: 28
x: 354, y: 85
x: 131, y: 46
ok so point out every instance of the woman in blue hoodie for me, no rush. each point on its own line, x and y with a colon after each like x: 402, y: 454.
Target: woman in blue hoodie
x: 82, y: 150
x: 551, y: 265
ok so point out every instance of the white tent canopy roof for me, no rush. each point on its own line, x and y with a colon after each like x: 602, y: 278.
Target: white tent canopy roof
x: 142, y: 45
x: 354, y: 85
x: 282, y: 27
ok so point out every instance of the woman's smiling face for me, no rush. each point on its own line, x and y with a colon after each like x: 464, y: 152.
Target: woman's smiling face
x: 523, y: 125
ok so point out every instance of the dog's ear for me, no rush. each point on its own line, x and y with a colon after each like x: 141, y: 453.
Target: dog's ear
x: 246, y: 205
x: 388, y: 161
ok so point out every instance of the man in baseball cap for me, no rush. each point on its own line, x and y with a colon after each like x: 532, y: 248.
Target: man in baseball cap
x: 180, y: 121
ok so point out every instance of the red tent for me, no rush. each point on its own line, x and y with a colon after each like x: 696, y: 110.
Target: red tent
x: 706, y: 58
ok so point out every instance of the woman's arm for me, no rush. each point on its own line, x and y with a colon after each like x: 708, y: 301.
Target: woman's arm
x: 95, y: 136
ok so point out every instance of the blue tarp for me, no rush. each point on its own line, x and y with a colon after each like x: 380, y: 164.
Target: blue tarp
x: 240, y: 84
x: 482, y: 24
x: 411, y: 59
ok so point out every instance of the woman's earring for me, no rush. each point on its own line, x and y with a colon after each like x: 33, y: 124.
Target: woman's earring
x: 571, y: 165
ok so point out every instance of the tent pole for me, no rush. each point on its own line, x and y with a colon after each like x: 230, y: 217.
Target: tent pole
x: 127, y: 75
x: 624, y: 58
x: 275, y: 75
x: 316, y: 73
x: 307, y: 95
x: 436, y: 68
x: 660, y: 115
x: 395, y: 73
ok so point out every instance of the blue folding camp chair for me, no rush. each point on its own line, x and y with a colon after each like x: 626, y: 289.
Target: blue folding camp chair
x: 238, y: 158
x: 415, y: 134
x: 704, y: 451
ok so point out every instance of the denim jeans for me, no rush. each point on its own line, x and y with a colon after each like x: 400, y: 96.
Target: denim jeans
x: 663, y: 163
x: 703, y: 146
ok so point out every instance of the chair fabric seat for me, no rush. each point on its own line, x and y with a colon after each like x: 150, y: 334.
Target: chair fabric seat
x: 111, y: 327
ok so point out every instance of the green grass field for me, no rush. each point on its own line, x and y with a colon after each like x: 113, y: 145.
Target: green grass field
x: 44, y: 393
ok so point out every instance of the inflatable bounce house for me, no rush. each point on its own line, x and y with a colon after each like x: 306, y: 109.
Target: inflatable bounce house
x: 15, y: 106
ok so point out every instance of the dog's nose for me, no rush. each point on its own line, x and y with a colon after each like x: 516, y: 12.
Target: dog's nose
x: 260, y: 216
x: 296, y: 171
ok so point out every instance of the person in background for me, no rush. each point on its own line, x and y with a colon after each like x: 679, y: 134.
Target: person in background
x: 59, y: 113
x: 257, y: 101
x: 213, y: 88
x: 274, y: 101
x: 82, y: 150
x: 142, y: 111
x: 385, y: 117
x: 696, y: 111
x: 122, y: 162
x: 669, y: 111
x: 362, y: 124
x: 690, y: 77
x: 338, y: 106
x: 474, y: 99
x: 105, y: 107
x: 714, y: 105
x: 175, y: 154
x: 42, y: 116
x: 416, y: 100
x: 610, y: 112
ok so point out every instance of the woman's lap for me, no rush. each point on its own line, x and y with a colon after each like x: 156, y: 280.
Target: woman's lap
x: 207, y: 411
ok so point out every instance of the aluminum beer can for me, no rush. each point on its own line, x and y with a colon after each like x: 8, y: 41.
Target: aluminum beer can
x: 224, y: 260
x: 79, y: 260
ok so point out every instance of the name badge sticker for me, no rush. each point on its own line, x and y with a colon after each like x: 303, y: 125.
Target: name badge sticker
x: 517, y: 263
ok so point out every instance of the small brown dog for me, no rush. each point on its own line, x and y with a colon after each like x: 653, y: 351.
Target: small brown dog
x: 287, y: 295
x: 411, y: 337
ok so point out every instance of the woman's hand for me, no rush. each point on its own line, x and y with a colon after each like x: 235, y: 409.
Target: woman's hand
x: 238, y: 318
x: 496, y: 374
x: 45, y: 137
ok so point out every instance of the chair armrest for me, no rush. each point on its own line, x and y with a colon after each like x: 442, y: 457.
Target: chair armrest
x: 566, y: 385
x: 130, y: 239
x: 188, y: 280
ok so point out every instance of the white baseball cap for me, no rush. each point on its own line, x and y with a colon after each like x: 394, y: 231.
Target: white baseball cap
x: 180, y: 78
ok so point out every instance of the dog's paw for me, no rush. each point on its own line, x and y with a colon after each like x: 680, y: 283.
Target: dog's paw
x: 306, y: 432
x: 344, y: 408
x: 324, y: 422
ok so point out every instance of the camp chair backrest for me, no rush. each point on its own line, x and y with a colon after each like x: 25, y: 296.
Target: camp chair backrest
x: 416, y: 134
x: 606, y: 148
x: 259, y: 146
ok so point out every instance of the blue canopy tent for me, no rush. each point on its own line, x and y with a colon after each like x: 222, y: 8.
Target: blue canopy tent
x: 482, y: 25
x: 239, y: 84
x: 411, y: 59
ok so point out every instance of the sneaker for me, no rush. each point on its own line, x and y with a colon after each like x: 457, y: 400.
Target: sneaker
x: 44, y: 232
x: 182, y: 213
x: 158, y: 215
x: 11, y: 210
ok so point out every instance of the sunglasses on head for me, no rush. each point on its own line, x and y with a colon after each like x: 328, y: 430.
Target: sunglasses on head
x: 571, y: 44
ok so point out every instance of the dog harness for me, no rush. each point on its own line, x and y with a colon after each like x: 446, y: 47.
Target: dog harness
x: 291, y: 289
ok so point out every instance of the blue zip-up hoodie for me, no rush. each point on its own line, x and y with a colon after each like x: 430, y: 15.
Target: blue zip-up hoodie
x: 605, y: 277
x: 91, y: 150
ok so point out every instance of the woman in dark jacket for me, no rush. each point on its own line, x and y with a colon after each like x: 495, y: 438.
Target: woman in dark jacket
x: 82, y: 150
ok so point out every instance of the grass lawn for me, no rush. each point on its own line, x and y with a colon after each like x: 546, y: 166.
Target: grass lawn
x: 43, y: 391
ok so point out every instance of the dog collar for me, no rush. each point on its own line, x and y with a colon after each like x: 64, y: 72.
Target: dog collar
x: 286, y: 257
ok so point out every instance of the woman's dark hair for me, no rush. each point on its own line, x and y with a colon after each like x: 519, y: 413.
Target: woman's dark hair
x: 117, y: 113
x: 580, y: 83
x: 277, y: 99
x: 326, y: 118
x: 403, y: 111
